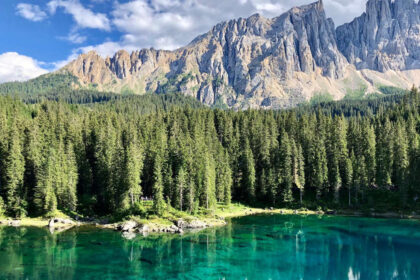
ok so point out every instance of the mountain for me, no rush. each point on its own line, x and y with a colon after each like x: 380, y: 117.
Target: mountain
x: 386, y: 37
x: 273, y: 63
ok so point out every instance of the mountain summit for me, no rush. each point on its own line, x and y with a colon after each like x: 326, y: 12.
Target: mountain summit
x: 273, y: 63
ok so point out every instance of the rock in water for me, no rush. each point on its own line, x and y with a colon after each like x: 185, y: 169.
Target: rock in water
x: 196, y: 224
x: 128, y: 226
x: 14, y: 223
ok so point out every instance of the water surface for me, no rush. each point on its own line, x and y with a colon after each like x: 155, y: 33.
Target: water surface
x: 255, y: 247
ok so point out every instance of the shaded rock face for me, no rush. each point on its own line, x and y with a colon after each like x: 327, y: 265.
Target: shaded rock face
x: 386, y: 37
x: 269, y: 63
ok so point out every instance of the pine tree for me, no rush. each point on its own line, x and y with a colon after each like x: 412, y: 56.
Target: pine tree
x: 71, y: 179
x: 14, y: 173
x: 318, y: 169
x: 384, y: 154
x: 401, y: 159
x: 248, y: 173
x: 286, y: 168
x: 224, y: 180
x: 132, y: 170
x: 45, y: 199
x: 209, y: 182
x: 369, y: 150
x: 158, y: 199
x: 298, y: 170
x: 181, y: 182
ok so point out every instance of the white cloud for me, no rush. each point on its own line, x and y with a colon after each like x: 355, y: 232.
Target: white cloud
x: 83, y: 17
x: 30, y: 12
x: 74, y: 37
x: 16, y: 67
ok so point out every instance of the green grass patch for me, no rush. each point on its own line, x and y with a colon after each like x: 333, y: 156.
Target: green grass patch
x: 321, y: 98
x: 356, y: 94
x: 388, y: 90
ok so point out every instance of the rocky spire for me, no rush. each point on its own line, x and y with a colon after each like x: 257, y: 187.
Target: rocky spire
x: 386, y: 37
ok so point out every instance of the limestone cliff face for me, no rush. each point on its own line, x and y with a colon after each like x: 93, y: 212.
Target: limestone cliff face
x: 270, y: 63
x: 386, y: 37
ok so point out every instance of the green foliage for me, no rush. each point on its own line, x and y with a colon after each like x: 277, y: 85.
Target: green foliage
x: 321, y: 98
x: 388, y: 90
x: 173, y: 84
x: 103, y: 158
x: 42, y: 84
x: 138, y: 209
x: 2, y: 207
x: 356, y: 94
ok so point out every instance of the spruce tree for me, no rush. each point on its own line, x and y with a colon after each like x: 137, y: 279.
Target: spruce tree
x: 14, y: 173
x: 401, y: 159
x: 298, y: 170
x: 181, y: 183
x: 158, y: 198
x: 248, y: 173
x: 286, y: 168
x: 384, y: 154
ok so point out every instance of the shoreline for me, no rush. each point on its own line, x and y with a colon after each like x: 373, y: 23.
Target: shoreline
x: 177, y: 226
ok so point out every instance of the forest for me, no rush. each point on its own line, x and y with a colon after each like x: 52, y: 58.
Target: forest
x: 100, y: 155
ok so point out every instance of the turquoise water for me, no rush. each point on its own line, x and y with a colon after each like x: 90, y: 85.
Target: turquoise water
x: 256, y: 247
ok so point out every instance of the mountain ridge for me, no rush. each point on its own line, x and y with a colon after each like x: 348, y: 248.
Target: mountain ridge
x: 271, y: 63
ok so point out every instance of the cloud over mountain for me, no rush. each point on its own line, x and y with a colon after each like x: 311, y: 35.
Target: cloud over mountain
x: 16, y: 67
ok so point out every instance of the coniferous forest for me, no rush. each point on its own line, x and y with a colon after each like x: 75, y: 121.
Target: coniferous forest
x: 100, y: 156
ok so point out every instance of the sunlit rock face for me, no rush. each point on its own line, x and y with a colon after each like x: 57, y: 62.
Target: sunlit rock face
x: 386, y: 37
x: 271, y: 63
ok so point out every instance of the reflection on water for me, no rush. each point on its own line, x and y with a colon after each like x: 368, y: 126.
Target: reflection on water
x: 257, y: 247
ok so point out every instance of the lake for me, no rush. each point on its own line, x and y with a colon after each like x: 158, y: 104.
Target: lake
x: 254, y: 247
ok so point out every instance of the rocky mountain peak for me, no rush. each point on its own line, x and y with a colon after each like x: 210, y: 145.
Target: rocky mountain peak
x: 386, y: 37
x: 273, y: 63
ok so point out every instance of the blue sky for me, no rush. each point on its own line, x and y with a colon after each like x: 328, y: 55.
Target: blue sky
x: 39, y: 36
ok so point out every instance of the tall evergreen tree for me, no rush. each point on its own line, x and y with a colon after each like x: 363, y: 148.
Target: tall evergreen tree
x: 158, y: 198
x: 14, y: 173
x: 248, y: 173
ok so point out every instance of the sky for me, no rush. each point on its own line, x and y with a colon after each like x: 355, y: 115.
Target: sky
x: 39, y: 36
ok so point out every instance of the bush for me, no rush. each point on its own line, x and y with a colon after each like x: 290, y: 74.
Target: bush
x: 138, y: 209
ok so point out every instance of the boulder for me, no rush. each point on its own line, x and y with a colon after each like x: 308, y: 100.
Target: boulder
x: 195, y: 224
x: 14, y: 223
x: 181, y: 223
x: 128, y: 226
x: 143, y: 229
x: 63, y: 221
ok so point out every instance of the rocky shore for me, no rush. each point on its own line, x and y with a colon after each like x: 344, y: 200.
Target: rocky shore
x: 131, y: 228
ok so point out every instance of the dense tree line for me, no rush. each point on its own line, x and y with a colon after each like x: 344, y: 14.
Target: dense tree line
x: 102, y: 159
